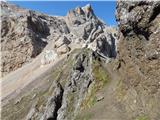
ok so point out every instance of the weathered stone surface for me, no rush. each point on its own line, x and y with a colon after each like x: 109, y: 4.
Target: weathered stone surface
x: 19, y: 44
x: 81, y: 21
x: 76, y: 87
x: 139, y: 60
x: 106, y: 45
x: 65, y: 101
x: 63, y: 49
x: 136, y: 17
x: 93, y: 32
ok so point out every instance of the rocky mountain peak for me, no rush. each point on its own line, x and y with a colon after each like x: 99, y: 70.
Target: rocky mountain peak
x: 81, y: 14
x: 79, y: 10
x: 83, y: 10
x: 88, y: 9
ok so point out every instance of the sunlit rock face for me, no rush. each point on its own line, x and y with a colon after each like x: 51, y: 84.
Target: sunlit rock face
x: 20, y: 41
x: 94, y: 33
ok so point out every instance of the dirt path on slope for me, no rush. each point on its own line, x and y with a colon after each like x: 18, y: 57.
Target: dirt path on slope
x: 106, y: 109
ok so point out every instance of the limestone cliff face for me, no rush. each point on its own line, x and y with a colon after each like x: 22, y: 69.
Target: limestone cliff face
x: 22, y: 37
x: 139, y: 57
x: 20, y: 40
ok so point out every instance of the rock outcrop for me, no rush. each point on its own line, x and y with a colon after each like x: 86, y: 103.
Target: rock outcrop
x: 68, y: 96
x: 25, y: 34
x: 77, y: 86
x: 139, y: 57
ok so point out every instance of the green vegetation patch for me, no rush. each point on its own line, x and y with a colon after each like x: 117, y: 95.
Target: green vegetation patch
x: 142, y: 117
x: 70, y: 102
x: 101, y: 77
x: 84, y: 117
x: 120, y: 91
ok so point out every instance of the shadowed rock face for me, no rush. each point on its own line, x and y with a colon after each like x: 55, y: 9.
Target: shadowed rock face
x: 26, y: 33
x: 137, y: 17
x: 139, y: 56
x: 20, y: 43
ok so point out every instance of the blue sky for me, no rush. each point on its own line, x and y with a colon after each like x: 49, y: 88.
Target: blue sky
x: 103, y: 9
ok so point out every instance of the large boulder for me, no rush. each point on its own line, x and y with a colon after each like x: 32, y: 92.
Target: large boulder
x: 48, y: 56
x: 106, y: 46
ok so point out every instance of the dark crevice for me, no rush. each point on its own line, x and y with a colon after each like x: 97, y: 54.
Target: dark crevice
x: 141, y: 31
x: 144, y: 33
x: 155, y: 13
x: 79, y: 63
x: 58, y: 103
x: 96, y: 56
x: 140, y: 3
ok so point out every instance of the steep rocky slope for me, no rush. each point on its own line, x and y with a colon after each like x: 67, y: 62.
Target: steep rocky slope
x: 62, y: 92
x: 139, y: 58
